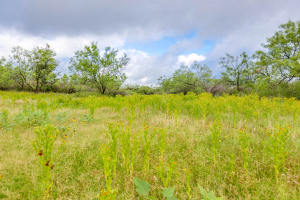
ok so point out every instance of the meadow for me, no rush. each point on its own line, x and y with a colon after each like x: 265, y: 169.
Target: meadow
x: 59, y: 146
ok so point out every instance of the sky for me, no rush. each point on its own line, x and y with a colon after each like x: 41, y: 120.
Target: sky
x: 157, y: 35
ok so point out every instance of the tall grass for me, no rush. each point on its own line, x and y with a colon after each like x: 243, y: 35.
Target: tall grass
x: 239, y: 147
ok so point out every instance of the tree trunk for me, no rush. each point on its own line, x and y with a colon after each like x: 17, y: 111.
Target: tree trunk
x: 238, y: 83
x: 37, y: 86
x: 103, y: 89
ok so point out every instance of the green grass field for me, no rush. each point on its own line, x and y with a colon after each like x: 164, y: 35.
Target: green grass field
x: 239, y: 147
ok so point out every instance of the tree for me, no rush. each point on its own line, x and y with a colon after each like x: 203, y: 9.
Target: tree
x: 19, y: 66
x: 186, y: 79
x: 280, y: 63
x: 103, y: 72
x: 183, y: 80
x: 203, y: 74
x: 237, y: 69
x: 35, y: 68
x: 42, y: 66
x: 65, y: 79
x: 5, y: 80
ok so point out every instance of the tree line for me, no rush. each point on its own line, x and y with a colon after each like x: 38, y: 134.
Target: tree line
x: 272, y: 71
x: 276, y: 69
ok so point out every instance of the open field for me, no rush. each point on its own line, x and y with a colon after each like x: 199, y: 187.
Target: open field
x: 239, y: 147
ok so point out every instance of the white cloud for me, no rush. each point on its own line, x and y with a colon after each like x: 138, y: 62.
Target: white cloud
x: 64, y: 46
x: 188, y: 60
x: 144, y: 69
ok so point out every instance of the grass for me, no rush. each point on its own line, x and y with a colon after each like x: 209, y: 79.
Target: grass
x: 239, y: 147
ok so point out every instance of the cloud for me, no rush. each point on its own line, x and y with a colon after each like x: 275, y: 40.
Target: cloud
x: 234, y: 26
x: 145, y: 70
x: 142, y: 69
x: 188, y: 60
x: 140, y: 19
x: 63, y: 45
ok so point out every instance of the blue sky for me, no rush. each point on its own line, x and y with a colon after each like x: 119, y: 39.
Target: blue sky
x: 161, y: 46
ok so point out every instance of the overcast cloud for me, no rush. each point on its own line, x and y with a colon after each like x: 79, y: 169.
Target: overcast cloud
x: 230, y: 26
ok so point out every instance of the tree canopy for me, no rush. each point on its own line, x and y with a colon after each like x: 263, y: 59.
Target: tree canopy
x: 279, y: 63
x: 101, y: 71
x: 187, y: 79
x: 34, y: 68
x: 238, y: 69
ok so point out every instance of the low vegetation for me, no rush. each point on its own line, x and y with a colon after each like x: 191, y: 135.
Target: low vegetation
x: 59, y: 146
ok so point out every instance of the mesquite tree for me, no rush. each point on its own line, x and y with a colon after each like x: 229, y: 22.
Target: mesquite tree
x: 237, y: 69
x: 280, y: 63
x: 101, y: 71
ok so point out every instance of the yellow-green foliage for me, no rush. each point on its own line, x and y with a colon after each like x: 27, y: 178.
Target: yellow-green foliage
x: 239, y: 147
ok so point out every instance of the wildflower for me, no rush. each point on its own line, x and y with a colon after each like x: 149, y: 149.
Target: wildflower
x: 1, y: 177
x: 219, y: 140
x: 40, y: 152
x: 47, y: 163
x: 83, y: 122
x: 68, y: 128
x: 74, y: 120
x: 66, y: 136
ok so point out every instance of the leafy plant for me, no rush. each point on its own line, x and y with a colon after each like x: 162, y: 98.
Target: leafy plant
x: 30, y: 116
x: 244, y: 143
x: 125, y: 142
x: 134, y: 144
x: 62, y: 116
x: 86, y: 118
x: 147, y: 140
x: 208, y: 196
x: 43, y: 145
x: 92, y: 104
x: 113, y: 134
x: 187, y: 182
x: 277, y: 143
x: 143, y: 188
x: 5, y: 124
x: 165, y: 171
x: 161, y: 140
x: 108, y: 192
x: 215, y: 137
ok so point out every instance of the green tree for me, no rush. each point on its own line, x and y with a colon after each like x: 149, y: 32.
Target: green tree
x: 42, y: 67
x: 183, y: 80
x: 5, y: 80
x: 65, y: 79
x: 238, y: 69
x: 280, y: 63
x: 186, y: 79
x: 35, y: 68
x: 203, y: 74
x: 19, y: 67
x: 103, y: 72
